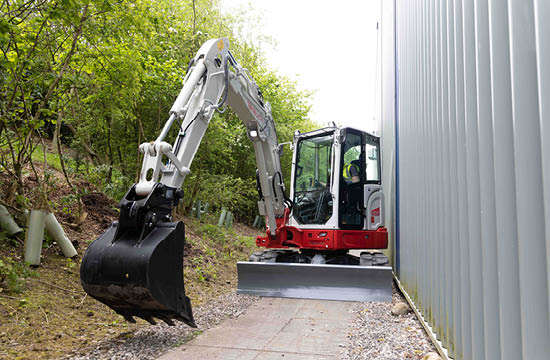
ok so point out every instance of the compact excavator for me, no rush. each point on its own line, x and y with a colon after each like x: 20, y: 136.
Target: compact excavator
x: 336, y: 204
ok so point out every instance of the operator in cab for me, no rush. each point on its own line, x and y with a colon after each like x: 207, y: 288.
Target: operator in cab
x: 351, y: 172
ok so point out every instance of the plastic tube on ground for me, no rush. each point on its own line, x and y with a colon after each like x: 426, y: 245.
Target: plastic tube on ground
x: 228, y: 219
x: 7, y: 223
x: 56, y: 231
x: 222, y: 217
x: 34, y: 237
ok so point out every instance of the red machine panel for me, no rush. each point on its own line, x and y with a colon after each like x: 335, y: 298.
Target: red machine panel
x: 321, y: 239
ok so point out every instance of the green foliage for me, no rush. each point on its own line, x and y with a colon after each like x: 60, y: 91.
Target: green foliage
x: 71, y: 264
x: 246, y: 241
x: 5, y: 239
x: 103, y: 75
x: 12, y: 274
x: 212, y: 231
x: 206, y: 272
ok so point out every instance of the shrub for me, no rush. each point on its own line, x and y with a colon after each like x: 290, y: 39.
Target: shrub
x: 11, y: 275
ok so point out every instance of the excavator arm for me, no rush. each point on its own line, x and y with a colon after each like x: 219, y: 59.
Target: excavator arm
x: 136, y: 266
x: 214, y: 80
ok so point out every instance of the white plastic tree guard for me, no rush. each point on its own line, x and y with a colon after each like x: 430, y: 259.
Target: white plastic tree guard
x: 56, y: 231
x: 34, y: 237
x: 7, y: 223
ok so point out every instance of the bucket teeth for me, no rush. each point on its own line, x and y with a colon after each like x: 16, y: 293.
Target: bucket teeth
x: 188, y: 322
x: 149, y: 319
x: 167, y: 320
x: 130, y: 319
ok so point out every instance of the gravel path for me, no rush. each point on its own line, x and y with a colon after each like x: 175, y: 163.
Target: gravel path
x: 152, y: 341
x: 376, y: 334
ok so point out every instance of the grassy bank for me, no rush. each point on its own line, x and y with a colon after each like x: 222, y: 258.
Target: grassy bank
x: 45, y: 313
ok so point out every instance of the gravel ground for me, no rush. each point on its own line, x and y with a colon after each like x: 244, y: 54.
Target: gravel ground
x: 376, y: 334
x: 152, y: 341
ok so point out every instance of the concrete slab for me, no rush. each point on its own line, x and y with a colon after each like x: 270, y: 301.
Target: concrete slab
x: 209, y: 353
x: 269, y: 355
x: 309, y: 336
x: 275, y: 328
x: 321, y: 309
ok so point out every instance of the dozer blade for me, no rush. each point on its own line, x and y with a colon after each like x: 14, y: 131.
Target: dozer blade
x: 139, y: 278
x: 314, y: 281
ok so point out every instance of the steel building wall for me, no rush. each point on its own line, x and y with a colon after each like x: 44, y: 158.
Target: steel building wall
x: 466, y: 141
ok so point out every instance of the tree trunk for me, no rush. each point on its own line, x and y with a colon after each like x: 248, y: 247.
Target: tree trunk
x: 57, y: 144
x: 109, y: 151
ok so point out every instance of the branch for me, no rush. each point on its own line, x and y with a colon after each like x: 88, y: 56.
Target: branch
x: 70, y: 54
x: 194, y: 17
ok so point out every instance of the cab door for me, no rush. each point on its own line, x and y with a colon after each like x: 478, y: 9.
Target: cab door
x: 374, y: 196
x: 352, y: 180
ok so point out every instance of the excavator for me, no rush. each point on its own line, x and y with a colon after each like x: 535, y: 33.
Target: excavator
x: 336, y: 204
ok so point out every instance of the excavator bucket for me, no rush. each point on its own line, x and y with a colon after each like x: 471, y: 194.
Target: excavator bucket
x: 138, y: 276
x: 315, y: 281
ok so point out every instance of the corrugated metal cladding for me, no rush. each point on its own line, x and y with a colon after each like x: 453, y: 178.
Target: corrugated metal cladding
x: 472, y: 203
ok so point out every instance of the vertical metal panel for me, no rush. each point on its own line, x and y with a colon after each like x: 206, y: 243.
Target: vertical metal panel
x: 533, y: 270
x: 443, y: 123
x: 472, y: 180
x: 434, y: 270
x: 542, y: 29
x: 473, y: 100
x: 464, y: 344
x: 387, y: 101
x: 487, y: 183
x: 455, y: 331
x: 505, y: 205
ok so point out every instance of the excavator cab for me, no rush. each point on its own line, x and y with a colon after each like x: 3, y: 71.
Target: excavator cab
x: 337, y: 206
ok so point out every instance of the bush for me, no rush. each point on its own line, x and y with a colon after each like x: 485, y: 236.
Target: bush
x: 213, y: 232
x: 11, y: 275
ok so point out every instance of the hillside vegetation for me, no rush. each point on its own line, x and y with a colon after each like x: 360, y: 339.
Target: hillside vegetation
x: 100, y: 77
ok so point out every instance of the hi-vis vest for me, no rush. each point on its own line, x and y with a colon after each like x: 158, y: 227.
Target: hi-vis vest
x: 347, y: 171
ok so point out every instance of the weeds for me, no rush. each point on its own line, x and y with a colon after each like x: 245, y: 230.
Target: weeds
x: 206, y: 272
x: 12, y: 274
x: 245, y: 241
x: 212, y: 231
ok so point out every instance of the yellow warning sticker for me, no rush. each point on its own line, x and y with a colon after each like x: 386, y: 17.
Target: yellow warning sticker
x: 220, y: 45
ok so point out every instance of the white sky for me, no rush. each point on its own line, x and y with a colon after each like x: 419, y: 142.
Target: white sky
x: 326, y: 46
